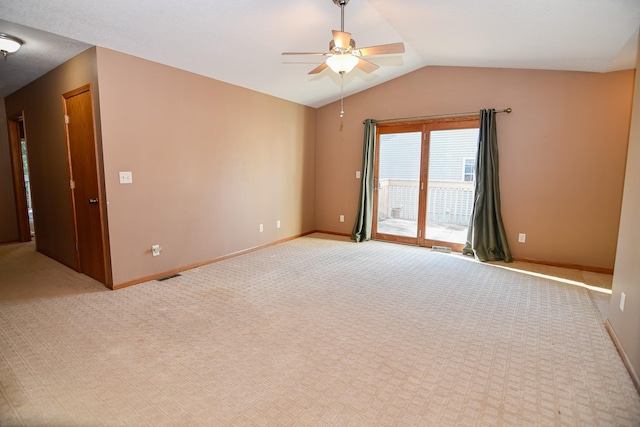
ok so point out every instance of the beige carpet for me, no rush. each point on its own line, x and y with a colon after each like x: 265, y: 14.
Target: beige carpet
x: 316, y: 331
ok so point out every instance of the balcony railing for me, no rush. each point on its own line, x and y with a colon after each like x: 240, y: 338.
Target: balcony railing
x: 448, y: 202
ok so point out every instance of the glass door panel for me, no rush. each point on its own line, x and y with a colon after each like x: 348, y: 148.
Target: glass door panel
x: 27, y: 184
x: 450, y: 185
x: 398, y: 184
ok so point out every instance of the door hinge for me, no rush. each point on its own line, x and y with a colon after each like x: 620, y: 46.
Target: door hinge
x: 419, y: 233
x: 421, y: 185
x: 66, y: 119
x: 72, y: 184
x: 77, y: 247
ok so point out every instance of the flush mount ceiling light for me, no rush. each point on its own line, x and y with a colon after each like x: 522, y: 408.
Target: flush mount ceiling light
x: 9, y: 44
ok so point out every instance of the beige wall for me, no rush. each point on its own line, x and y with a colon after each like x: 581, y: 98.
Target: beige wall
x: 210, y: 162
x: 8, y: 219
x: 562, y: 151
x: 626, y: 324
x: 41, y: 102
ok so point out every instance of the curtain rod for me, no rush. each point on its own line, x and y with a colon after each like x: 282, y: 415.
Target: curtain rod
x: 407, y: 119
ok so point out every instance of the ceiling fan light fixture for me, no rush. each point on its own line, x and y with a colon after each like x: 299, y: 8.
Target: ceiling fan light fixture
x: 9, y: 44
x: 342, y: 63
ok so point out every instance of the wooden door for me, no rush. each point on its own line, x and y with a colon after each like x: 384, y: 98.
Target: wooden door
x: 16, y: 129
x: 87, y: 200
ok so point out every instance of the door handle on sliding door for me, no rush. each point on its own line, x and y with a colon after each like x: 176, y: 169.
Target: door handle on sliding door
x: 93, y: 201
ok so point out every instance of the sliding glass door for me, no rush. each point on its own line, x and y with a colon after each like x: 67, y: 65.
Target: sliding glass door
x: 396, y: 181
x: 424, y: 176
x: 450, y: 184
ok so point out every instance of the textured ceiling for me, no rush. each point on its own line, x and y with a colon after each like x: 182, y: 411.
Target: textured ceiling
x: 240, y: 41
x: 41, y: 53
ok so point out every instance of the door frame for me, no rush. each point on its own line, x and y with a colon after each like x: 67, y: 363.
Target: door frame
x: 19, y: 185
x: 425, y: 126
x: 382, y: 129
x: 462, y: 122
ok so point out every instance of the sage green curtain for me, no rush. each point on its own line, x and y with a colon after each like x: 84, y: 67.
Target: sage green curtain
x: 486, y: 238
x: 364, y: 218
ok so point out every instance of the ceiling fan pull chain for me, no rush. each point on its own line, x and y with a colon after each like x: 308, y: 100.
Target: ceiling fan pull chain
x: 342, y: 94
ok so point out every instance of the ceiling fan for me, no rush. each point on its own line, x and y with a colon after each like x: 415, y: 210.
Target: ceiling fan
x: 343, y: 56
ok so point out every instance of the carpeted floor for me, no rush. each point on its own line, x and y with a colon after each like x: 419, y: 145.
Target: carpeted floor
x: 315, y: 331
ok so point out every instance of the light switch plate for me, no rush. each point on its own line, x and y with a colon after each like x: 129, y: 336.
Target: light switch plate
x: 155, y: 250
x: 357, y: 174
x: 126, y: 178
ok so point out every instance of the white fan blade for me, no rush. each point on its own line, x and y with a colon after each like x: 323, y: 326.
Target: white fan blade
x: 305, y: 53
x: 383, y: 49
x: 366, y: 66
x: 318, y: 69
x: 341, y: 40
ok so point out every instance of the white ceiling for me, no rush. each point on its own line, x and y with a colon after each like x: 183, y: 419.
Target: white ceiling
x: 241, y: 41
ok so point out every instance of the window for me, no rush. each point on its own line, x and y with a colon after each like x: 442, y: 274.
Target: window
x: 469, y: 169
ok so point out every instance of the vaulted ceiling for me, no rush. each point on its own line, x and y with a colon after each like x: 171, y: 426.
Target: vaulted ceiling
x: 241, y: 41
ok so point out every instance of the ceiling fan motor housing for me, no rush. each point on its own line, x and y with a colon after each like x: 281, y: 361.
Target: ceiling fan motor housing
x: 333, y: 48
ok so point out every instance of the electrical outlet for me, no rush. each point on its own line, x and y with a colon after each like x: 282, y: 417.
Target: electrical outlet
x: 155, y: 250
x: 357, y: 174
x: 126, y: 178
x: 623, y: 297
x: 522, y: 238
x: 278, y: 224
x: 261, y: 228
x: 341, y: 218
